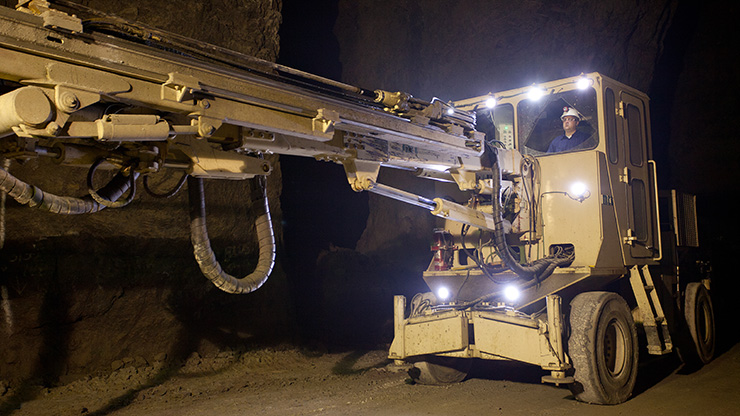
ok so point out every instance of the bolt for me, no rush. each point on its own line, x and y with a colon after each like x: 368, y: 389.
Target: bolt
x: 53, y: 128
x: 69, y: 101
x: 207, y: 129
x: 205, y: 104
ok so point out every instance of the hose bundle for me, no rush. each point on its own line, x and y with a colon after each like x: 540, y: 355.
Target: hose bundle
x: 107, y: 196
x: 209, y: 265
x: 537, y: 270
x: 34, y: 197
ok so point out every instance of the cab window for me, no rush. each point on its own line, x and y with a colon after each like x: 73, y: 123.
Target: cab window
x: 498, y: 124
x: 541, y: 128
x: 634, y: 126
x: 612, y: 141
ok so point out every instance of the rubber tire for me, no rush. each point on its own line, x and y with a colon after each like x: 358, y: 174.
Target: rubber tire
x: 436, y: 371
x: 699, y: 314
x: 603, y: 348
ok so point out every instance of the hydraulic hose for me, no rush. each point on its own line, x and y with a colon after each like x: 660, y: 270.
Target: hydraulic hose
x: 205, y: 257
x: 539, y: 269
x: 34, y: 197
x: 102, y: 199
x: 168, y: 194
x: 3, y: 196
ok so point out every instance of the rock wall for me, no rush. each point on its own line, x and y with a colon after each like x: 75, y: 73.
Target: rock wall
x: 80, y: 294
x: 455, y: 50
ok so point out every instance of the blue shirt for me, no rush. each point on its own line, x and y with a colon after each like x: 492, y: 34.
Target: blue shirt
x: 563, y: 143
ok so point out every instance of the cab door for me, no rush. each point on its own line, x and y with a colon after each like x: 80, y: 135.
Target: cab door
x: 638, y: 235
x: 630, y: 175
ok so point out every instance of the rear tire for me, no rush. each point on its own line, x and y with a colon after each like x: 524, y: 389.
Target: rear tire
x: 699, y: 313
x: 436, y: 370
x: 603, y: 348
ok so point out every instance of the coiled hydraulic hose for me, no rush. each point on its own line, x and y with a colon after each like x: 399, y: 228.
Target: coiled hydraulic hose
x: 34, y: 197
x: 205, y: 257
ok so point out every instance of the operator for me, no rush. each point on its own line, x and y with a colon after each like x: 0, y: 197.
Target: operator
x: 571, y: 136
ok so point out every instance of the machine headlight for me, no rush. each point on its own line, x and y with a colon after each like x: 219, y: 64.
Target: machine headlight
x: 535, y: 93
x: 584, y: 83
x: 511, y: 293
x: 443, y: 293
x: 491, y: 102
x: 579, y: 191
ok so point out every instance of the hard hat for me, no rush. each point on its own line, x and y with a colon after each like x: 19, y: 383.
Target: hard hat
x: 570, y: 111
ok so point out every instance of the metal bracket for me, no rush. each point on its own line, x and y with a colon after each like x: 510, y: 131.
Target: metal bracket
x: 208, y: 161
x: 630, y: 238
x: 85, y: 79
x: 179, y: 87
x: 625, y: 176
x: 361, y: 174
x: 325, y: 122
x: 207, y: 126
x: 466, y: 180
x: 70, y: 100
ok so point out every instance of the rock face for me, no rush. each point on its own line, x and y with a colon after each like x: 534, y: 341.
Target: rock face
x: 82, y: 292
x: 457, y: 50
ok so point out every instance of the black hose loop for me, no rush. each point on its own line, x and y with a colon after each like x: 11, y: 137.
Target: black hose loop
x: 169, y: 194
x: 107, y: 202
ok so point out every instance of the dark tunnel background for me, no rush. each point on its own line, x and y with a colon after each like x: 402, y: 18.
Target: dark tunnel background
x: 92, y: 289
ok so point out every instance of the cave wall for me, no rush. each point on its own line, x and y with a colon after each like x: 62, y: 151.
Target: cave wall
x: 454, y: 50
x: 81, y: 294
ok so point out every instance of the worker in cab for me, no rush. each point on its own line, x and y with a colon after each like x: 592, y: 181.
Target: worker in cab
x: 571, y: 137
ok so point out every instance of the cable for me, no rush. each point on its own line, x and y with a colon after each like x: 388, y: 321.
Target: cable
x: 171, y: 193
x: 102, y: 200
x: 479, y: 262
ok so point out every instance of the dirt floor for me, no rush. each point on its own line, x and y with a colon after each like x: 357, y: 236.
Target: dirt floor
x: 287, y: 381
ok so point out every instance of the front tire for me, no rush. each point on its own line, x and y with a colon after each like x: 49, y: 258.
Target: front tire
x: 603, y: 348
x: 440, y: 370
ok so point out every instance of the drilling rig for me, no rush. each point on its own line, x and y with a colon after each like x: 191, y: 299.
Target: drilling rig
x: 561, y: 251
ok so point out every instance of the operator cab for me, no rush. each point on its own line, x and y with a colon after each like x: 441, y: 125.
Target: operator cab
x: 614, y: 209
